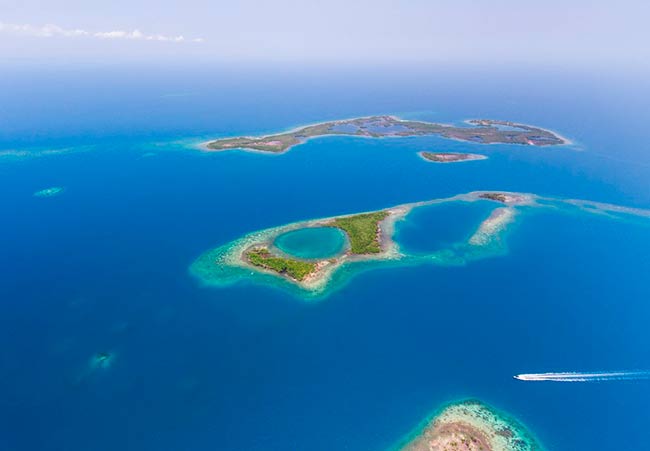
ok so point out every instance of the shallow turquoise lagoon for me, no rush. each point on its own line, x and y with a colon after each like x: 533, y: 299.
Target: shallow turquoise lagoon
x: 312, y: 242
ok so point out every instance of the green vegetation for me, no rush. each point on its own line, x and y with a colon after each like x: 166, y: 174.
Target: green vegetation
x: 363, y: 231
x: 296, y: 269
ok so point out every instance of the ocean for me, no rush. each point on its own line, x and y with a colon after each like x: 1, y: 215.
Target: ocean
x: 102, y: 267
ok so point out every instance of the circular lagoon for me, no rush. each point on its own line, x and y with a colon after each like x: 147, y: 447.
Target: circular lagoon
x: 312, y: 242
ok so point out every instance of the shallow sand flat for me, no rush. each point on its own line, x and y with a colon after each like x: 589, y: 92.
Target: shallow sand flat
x: 472, y: 426
x: 490, y: 228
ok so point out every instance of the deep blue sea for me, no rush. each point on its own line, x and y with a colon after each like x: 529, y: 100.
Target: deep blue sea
x: 103, y: 267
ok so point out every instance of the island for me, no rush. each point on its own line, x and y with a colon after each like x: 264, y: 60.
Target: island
x: 470, y: 426
x: 368, y: 238
x: 450, y: 157
x: 341, y: 246
x: 482, y: 131
x: 366, y: 235
x: 49, y: 192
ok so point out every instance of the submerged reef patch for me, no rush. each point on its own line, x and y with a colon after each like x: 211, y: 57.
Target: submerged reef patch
x: 49, y: 192
x: 470, y: 426
x: 102, y: 360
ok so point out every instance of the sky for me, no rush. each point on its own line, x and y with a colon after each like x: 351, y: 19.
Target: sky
x: 328, y: 31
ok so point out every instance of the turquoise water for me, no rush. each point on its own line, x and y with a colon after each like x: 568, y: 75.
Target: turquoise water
x: 438, y: 226
x: 312, y: 242
x: 103, y: 267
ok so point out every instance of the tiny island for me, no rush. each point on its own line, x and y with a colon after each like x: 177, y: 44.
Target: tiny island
x: 451, y: 157
x: 471, y: 426
x: 481, y: 131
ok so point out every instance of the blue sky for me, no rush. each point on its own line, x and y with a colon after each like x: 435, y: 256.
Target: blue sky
x: 346, y: 31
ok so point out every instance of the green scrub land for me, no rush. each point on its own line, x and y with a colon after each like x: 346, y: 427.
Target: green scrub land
x: 363, y: 231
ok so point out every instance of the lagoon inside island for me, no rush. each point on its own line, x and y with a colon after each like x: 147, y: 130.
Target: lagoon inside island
x: 470, y: 426
x: 481, y: 131
x: 314, y: 257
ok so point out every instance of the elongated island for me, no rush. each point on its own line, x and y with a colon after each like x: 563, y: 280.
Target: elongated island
x: 482, y: 131
x: 470, y: 426
x: 316, y: 256
x: 450, y: 157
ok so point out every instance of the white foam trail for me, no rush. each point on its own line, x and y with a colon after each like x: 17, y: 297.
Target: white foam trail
x: 584, y: 377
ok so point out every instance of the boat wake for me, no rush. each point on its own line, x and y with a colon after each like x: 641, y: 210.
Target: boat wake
x: 585, y: 377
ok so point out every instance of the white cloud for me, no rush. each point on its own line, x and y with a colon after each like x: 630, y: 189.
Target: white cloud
x: 50, y: 30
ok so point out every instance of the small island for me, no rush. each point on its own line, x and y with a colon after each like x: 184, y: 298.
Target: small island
x: 481, y: 131
x: 471, y: 426
x: 363, y: 232
x: 451, y: 157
